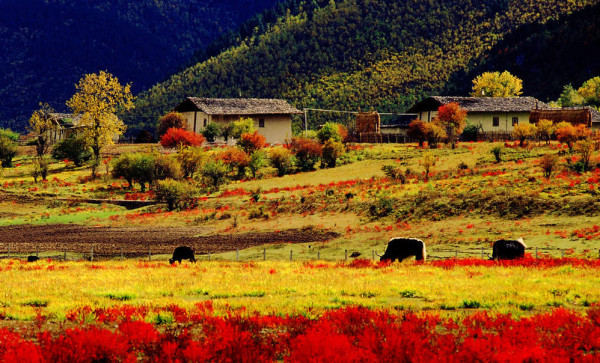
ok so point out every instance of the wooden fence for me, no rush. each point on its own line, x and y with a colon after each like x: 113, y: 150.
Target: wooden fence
x: 378, y: 138
x: 96, y: 254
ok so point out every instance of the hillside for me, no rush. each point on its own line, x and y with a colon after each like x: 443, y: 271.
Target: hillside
x: 385, y: 54
x: 48, y: 45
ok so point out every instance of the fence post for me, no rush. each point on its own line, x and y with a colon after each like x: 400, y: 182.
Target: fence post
x: 345, y: 255
x: 291, y: 254
x: 149, y: 255
x: 456, y: 254
x: 562, y: 253
x: 237, y: 254
x: 482, y: 253
x: 65, y: 257
x: 92, y: 254
x: 373, y: 252
x: 209, y: 256
x: 319, y: 255
x: 536, y: 255
x: 264, y: 254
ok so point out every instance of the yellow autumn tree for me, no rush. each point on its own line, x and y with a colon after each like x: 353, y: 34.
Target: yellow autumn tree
x: 590, y: 91
x: 545, y: 129
x: 98, y: 99
x: 523, y: 132
x: 42, y: 125
x: 496, y: 84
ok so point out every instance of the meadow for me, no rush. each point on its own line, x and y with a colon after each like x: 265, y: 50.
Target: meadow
x: 458, y: 301
x: 320, y: 311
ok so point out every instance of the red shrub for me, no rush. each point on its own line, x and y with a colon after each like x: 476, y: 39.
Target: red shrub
x: 307, y: 152
x: 175, y: 137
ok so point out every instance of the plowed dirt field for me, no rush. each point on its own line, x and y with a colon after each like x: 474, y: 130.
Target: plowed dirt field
x: 135, y: 241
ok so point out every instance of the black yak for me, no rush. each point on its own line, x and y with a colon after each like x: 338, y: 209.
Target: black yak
x: 182, y: 253
x: 32, y: 258
x: 508, y: 249
x: 400, y: 248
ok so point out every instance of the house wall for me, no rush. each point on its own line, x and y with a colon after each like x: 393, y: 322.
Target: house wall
x: 195, y: 120
x: 277, y: 128
x: 486, y: 119
x: 394, y: 130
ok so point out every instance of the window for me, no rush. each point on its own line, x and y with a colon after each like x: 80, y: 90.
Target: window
x: 261, y: 122
x: 496, y: 121
x: 205, y: 122
x: 515, y: 121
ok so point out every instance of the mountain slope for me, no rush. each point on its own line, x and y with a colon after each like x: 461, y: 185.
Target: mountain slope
x: 48, y: 45
x: 359, y: 53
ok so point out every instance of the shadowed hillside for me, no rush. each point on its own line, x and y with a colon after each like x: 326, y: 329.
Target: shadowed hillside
x: 357, y: 53
x: 47, y: 46
x: 546, y: 56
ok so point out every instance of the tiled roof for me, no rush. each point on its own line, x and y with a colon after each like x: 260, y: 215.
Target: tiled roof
x: 482, y: 104
x: 239, y: 106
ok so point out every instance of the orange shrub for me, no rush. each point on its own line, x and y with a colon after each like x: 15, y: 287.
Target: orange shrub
x: 235, y: 158
x: 251, y: 142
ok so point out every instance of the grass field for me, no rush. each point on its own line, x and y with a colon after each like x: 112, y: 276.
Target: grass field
x: 309, y: 288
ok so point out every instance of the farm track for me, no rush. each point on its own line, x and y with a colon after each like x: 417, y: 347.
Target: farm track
x: 135, y: 241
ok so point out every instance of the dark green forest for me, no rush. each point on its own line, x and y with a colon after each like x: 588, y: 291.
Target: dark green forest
x: 386, y: 54
x: 48, y: 45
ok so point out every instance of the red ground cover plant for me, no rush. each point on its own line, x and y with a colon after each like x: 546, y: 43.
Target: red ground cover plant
x: 528, y: 261
x: 348, y: 334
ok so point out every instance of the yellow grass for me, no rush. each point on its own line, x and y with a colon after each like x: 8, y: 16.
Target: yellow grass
x: 284, y: 287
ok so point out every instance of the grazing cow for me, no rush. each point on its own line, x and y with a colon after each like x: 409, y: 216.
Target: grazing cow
x: 400, y: 248
x: 182, y: 253
x: 32, y: 258
x: 508, y: 249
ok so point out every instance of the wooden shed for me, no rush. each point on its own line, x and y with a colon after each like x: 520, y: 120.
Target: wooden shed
x: 576, y: 116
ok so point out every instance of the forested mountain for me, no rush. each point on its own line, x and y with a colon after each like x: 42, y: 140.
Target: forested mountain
x: 47, y: 45
x: 386, y: 54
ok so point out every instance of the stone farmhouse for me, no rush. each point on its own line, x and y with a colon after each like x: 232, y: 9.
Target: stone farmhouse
x: 272, y: 117
x: 490, y: 114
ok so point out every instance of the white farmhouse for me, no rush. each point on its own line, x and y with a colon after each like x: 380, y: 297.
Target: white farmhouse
x: 272, y: 117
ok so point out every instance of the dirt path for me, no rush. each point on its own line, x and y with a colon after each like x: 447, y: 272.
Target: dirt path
x: 136, y: 240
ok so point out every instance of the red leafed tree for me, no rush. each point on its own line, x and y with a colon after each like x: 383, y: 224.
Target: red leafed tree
x: 453, y: 119
x: 251, y: 142
x: 417, y: 131
x: 175, y: 137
